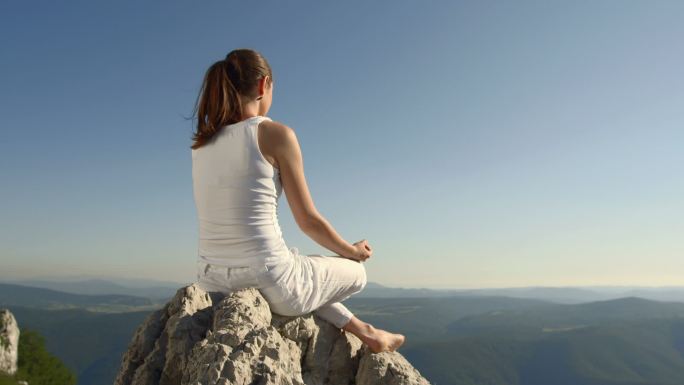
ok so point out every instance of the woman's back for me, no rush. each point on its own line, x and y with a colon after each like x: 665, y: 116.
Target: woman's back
x: 236, y: 193
x: 236, y: 190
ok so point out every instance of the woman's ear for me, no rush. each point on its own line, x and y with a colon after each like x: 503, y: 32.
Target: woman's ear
x: 260, y: 89
x: 263, y: 82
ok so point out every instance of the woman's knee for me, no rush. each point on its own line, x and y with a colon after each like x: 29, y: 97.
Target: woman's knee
x: 362, y: 278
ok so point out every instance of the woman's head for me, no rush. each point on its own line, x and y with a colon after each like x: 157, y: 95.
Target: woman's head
x: 240, y: 84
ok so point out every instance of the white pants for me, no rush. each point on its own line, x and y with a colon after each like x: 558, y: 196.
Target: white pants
x: 299, y: 285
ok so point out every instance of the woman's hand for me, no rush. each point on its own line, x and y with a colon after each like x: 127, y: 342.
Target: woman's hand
x: 363, y: 250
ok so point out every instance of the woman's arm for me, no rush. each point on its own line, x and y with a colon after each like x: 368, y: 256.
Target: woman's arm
x: 281, y: 142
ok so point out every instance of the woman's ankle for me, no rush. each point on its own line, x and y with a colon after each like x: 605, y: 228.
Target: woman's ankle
x: 361, y: 329
x: 369, y: 330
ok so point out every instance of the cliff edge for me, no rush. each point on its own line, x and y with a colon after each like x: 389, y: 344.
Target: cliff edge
x: 199, y: 338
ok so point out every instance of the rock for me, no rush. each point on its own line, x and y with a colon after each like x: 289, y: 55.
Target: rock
x: 9, y: 342
x: 388, y: 368
x: 201, y: 338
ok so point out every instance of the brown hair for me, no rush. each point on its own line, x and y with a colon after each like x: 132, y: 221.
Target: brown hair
x: 225, y: 82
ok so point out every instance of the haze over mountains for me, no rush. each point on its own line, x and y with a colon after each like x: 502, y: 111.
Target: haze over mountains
x: 157, y: 290
x: 160, y: 291
x: 569, y: 294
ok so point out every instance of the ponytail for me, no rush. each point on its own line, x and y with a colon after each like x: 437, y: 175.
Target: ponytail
x: 225, y: 83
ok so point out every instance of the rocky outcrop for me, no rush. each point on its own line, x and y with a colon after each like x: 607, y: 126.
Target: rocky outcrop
x: 202, y: 338
x: 9, y: 342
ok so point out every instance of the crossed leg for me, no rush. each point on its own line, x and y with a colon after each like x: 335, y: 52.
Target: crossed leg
x: 336, y: 279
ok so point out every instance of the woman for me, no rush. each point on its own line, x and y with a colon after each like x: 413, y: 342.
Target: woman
x: 241, y: 162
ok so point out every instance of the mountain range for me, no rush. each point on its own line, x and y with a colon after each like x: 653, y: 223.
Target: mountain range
x: 486, y: 336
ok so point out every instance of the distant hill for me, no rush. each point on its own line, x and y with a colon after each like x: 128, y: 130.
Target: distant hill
x: 569, y: 295
x: 159, y: 292
x: 626, y: 341
x: 18, y: 295
x: 562, y: 317
x: 618, y: 353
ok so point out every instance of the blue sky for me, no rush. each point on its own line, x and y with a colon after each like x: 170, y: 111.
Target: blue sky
x: 474, y: 144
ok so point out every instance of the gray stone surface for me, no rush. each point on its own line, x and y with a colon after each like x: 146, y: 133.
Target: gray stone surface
x: 197, y: 339
x: 9, y: 342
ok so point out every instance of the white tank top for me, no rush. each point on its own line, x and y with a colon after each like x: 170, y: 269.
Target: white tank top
x: 236, y: 193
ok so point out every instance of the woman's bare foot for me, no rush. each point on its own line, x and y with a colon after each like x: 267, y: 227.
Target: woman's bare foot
x: 385, y: 341
x: 378, y: 340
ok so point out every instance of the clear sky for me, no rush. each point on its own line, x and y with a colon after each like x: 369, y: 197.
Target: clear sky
x: 474, y: 144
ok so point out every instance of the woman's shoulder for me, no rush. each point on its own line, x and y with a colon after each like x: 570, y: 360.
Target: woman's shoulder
x: 274, y: 125
x: 275, y: 131
x: 276, y: 139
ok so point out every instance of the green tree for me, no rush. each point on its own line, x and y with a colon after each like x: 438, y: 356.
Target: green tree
x: 38, y: 366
